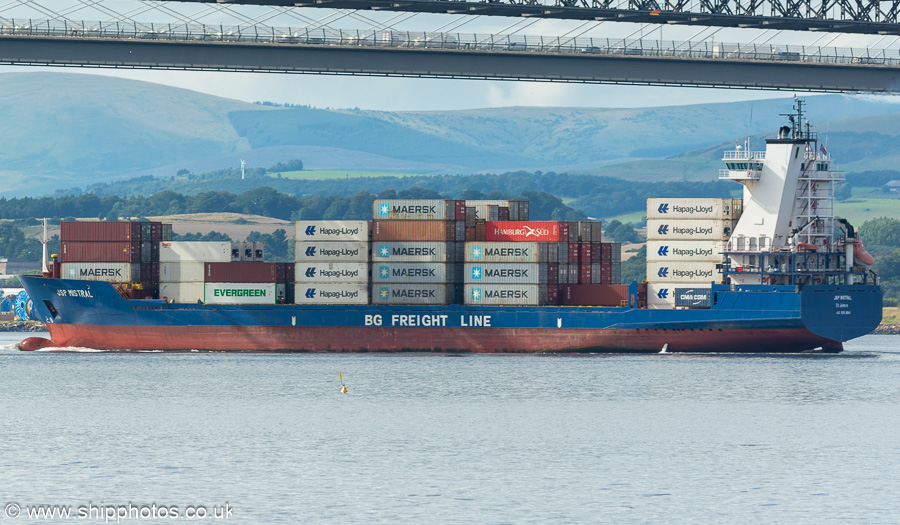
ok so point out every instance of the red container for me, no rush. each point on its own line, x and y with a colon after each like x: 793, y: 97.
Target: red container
x: 421, y: 231
x: 595, y: 294
x: 552, y: 273
x: 564, y: 232
x: 606, y: 273
x: 480, y: 233
x: 584, y: 274
x: 521, y: 231
x: 503, y: 214
x: 574, y: 248
x: 606, y: 253
x: 460, y: 210
x: 470, y: 234
x: 96, y: 231
x: 100, y: 252
x: 156, y: 231
x: 554, y: 298
x: 586, y: 253
x: 241, y: 272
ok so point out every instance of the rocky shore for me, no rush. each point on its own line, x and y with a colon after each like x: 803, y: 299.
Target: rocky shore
x: 20, y: 326
x: 888, y: 329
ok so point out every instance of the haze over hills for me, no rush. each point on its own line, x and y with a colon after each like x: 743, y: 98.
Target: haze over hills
x: 67, y: 130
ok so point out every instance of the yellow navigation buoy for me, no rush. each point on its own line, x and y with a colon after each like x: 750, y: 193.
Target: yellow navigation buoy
x: 343, y: 389
x: 341, y: 379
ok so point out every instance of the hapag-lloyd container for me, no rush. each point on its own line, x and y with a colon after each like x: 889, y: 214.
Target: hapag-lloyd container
x: 505, y: 294
x: 506, y: 273
x: 696, y: 251
x: 182, y: 272
x: 78, y: 251
x: 521, y: 231
x: 181, y: 292
x: 428, y: 231
x: 101, y: 271
x: 412, y: 252
x: 241, y: 272
x: 331, y: 231
x: 329, y: 272
x: 683, y: 272
x: 202, y: 251
x: 689, y: 229
x: 683, y: 208
x: 239, y: 293
x: 97, y: 231
x: 412, y: 293
x: 414, y: 272
x: 414, y: 209
x: 502, y: 252
x: 331, y: 293
x: 331, y: 251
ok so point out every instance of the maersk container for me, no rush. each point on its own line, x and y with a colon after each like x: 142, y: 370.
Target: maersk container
x: 331, y: 293
x: 97, y: 231
x: 689, y: 229
x: 182, y: 292
x: 330, y: 272
x: 331, y: 251
x: 241, y: 272
x: 412, y: 293
x: 683, y: 272
x: 413, y: 209
x: 412, y: 252
x: 437, y: 231
x: 521, y: 231
x: 693, y: 297
x: 183, y: 272
x: 202, y: 251
x: 77, y: 251
x: 696, y: 251
x: 506, y: 273
x: 505, y: 294
x: 415, y: 272
x: 505, y: 252
x: 331, y: 231
x: 240, y: 293
x: 684, y: 208
x: 102, y: 271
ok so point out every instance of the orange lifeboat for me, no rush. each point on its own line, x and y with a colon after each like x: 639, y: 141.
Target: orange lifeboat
x: 807, y: 247
x: 860, y: 254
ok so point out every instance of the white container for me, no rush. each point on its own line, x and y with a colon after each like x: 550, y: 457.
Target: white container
x: 661, y: 296
x: 683, y: 272
x: 411, y: 252
x: 696, y: 251
x: 325, y: 272
x: 239, y: 293
x: 342, y: 251
x: 482, y: 207
x: 202, y: 251
x: 413, y: 209
x: 112, y: 272
x: 183, y: 272
x: 181, y: 292
x: 693, y: 209
x: 502, y: 252
x: 331, y: 231
x: 505, y: 273
x: 411, y: 293
x: 331, y: 293
x: 413, y: 272
x: 503, y: 294
x: 689, y: 230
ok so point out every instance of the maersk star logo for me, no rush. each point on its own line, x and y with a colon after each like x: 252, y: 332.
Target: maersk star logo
x: 73, y: 273
x: 384, y: 272
x: 476, y: 272
x: 476, y: 294
x: 385, y: 210
x: 384, y: 251
x: 383, y: 293
x: 476, y: 252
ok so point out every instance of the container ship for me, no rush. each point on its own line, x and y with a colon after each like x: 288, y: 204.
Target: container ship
x: 773, y: 271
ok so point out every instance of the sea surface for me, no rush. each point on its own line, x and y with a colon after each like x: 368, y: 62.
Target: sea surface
x: 476, y: 439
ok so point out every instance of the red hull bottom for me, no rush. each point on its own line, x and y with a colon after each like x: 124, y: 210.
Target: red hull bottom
x: 371, y: 339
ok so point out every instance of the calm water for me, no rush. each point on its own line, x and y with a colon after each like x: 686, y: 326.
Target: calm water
x: 472, y: 439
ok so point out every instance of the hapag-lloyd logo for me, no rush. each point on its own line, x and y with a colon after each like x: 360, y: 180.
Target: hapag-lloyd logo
x: 522, y: 231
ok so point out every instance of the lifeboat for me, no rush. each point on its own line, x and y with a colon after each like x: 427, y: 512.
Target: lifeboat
x: 807, y: 247
x: 860, y: 255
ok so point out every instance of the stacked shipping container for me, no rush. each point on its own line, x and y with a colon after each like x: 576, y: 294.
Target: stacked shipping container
x: 332, y: 262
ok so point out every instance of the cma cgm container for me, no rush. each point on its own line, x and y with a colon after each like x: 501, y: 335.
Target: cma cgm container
x: 182, y: 272
x: 412, y: 251
x: 505, y: 294
x: 662, y: 295
x: 414, y: 209
x: 502, y: 252
x: 695, y: 251
x: 694, y: 208
x: 331, y: 230
x: 76, y: 251
x: 342, y: 251
x: 506, y: 273
x: 521, y: 231
x: 693, y: 297
x: 239, y: 293
x: 204, y: 251
x: 412, y: 293
x: 241, y: 272
x: 683, y: 272
x: 105, y: 231
x: 102, y: 271
x: 331, y: 293
x: 413, y: 231
x: 329, y: 272
x: 414, y: 272
x: 689, y: 229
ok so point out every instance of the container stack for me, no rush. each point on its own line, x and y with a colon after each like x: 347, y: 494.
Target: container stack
x: 332, y: 262
x: 685, y: 241
x: 182, y: 269
x: 125, y: 253
x: 590, y: 269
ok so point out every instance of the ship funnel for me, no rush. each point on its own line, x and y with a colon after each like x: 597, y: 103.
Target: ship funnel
x: 784, y: 132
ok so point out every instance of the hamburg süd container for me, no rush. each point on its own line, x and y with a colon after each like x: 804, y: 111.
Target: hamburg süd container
x: 331, y: 251
x: 83, y: 251
x: 439, y: 231
x: 506, y: 273
x: 504, y: 294
x: 121, y: 272
x: 182, y: 272
x: 689, y: 229
x: 685, y: 208
x: 414, y: 272
x: 331, y: 231
x: 502, y: 252
x: 412, y: 293
x: 239, y: 293
x: 412, y: 251
x: 683, y: 272
x: 331, y: 293
x: 241, y: 272
x: 685, y: 251
x: 521, y: 231
x: 202, y: 251
x: 101, y: 231
x: 413, y: 209
x: 331, y: 272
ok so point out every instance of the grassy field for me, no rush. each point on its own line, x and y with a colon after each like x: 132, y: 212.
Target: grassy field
x: 868, y: 203
x: 891, y: 315
x: 340, y: 174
